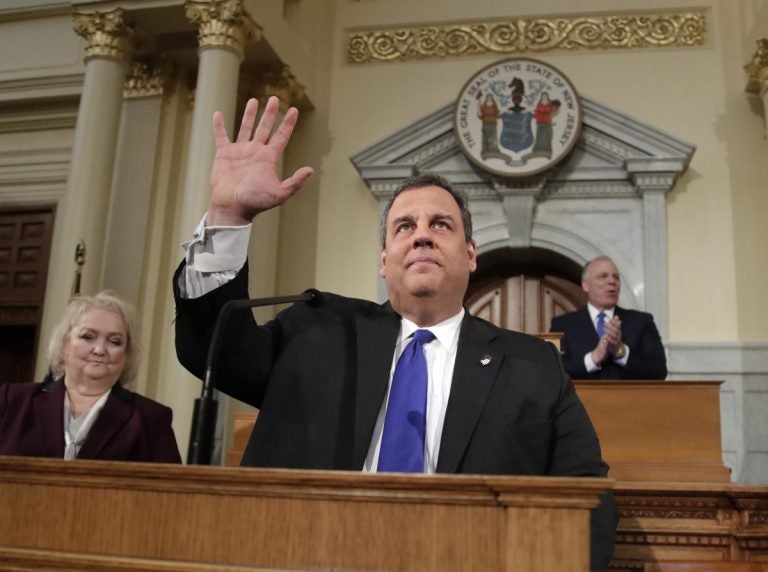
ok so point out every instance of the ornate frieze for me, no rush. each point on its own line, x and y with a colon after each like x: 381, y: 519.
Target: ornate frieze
x: 529, y: 35
x: 757, y: 69
x: 223, y: 24
x: 148, y: 77
x: 107, y: 34
x: 267, y: 82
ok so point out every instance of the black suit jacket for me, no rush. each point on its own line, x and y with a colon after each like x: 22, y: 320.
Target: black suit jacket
x: 319, y: 376
x: 130, y: 427
x: 647, y: 359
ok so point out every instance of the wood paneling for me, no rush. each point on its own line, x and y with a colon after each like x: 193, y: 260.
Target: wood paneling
x: 292, y: 519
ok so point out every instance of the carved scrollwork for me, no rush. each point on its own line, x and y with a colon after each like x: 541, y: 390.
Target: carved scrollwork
x: 526, y: 35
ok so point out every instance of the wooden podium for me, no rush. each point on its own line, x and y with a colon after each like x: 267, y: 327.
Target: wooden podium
x: 92, y: 515
x: 676, y: 503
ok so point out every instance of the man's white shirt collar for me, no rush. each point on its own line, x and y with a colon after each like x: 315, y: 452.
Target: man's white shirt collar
x: 593, y: 312
x: 446, y: 332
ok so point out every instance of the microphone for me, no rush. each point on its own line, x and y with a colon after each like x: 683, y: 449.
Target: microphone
x: 204, y: 417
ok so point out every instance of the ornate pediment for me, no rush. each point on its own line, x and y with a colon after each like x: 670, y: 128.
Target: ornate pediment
x: 607, y: 196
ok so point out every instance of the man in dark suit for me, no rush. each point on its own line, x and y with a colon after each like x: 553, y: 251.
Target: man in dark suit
x: 604, y: 341
x: 498, y: 402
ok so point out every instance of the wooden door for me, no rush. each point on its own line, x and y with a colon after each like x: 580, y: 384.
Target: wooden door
x: 25, y: 244
x: 525, y: 303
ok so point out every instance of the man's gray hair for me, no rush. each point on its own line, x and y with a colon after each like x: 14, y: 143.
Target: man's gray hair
x: 585, y: 268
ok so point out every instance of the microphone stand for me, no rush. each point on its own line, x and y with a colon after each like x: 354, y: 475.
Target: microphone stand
x: 204, y: 416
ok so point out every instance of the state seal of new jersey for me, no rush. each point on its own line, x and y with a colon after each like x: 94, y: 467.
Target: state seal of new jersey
x: 517, y: 117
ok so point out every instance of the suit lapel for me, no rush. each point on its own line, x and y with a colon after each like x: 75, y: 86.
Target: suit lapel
x: 116, y: 412
x: 585, y: 322
x: 477, y: 366
x: 376, y: 338
x: 48, y: 411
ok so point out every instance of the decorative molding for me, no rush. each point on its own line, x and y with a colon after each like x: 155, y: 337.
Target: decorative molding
x: 33, y: 177
x: 59, y: 86
x: 757, y: 69
x: 223, y: 24
x: 149, y: 77
x: 107, y: 34
x: 529, y: 35
x: 43, y: 118
x: 269, y: 81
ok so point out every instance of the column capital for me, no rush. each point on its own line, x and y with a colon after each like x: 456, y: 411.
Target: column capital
x: 223, y: 24
x: 148, y: 77
x: 107, y: 34
x: 757, y: 69
x: 265, y: 82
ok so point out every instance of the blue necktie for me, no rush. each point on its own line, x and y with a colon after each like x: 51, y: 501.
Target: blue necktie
x: 600, y: 325
x: 402, y: 442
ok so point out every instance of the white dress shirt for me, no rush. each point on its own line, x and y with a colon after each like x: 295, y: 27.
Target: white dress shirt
x: 440, y: 354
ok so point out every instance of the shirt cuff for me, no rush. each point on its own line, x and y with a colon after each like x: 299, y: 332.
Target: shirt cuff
x: 590, y: 364
x: 217, y: 248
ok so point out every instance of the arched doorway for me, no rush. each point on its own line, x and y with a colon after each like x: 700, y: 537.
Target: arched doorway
x: 522, y: 289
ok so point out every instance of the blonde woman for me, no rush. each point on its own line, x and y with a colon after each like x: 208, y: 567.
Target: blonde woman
x: 84, y: 411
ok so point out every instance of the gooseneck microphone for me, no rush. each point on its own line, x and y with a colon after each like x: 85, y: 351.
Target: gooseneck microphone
x: 204, y: 417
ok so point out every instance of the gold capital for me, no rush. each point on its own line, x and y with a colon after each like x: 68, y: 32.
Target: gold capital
x: 267, y: 82
x: 223, y: 24
x: 757, y: 69
x: 148, y: 77
x: 107, y: 34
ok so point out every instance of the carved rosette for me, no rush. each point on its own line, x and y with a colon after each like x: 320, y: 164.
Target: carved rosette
x: 107, y: 34
x: 148, y: 77
x: 278, y: 82
x: 527, y: 35
x: 757, y: 69
x: 223, y: 24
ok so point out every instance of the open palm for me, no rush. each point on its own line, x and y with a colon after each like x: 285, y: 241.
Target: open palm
x: 244, y: 178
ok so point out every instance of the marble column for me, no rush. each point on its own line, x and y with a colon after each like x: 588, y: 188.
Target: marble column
x: 82, y: 213
x: 224, y: 28
x: 757, y: 70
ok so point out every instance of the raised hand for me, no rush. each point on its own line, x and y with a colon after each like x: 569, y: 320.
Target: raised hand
x: 244, y: 179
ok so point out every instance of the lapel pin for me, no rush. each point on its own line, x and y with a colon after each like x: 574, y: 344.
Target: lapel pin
x: 486, y: 360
